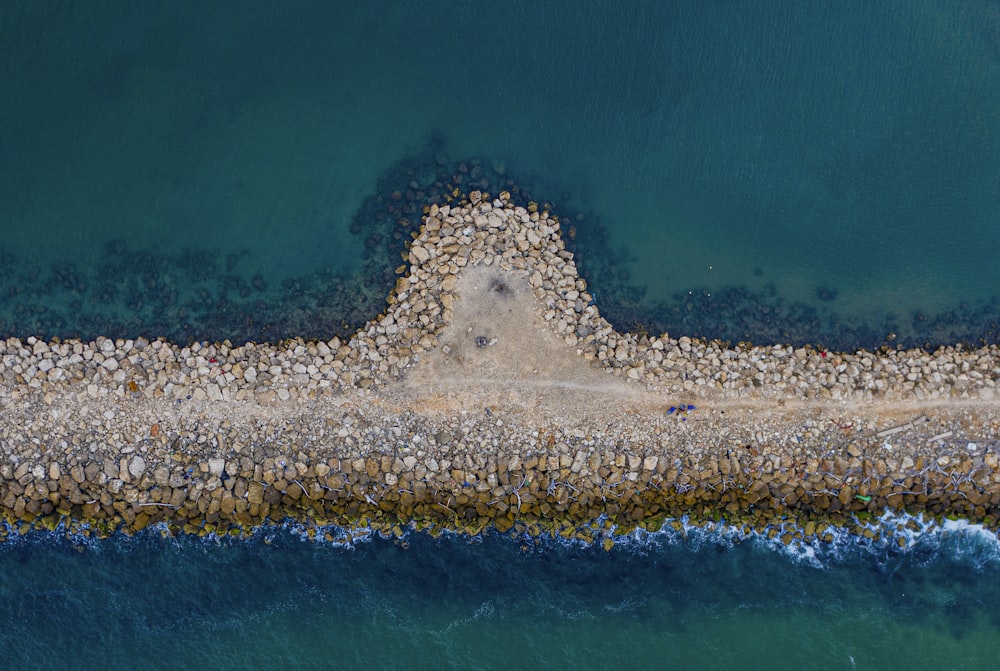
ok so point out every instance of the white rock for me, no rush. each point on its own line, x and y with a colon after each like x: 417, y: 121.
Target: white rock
x: 110, y: 364
x: 137, y: 467
x: 216, y: 466
x: 250, y: 374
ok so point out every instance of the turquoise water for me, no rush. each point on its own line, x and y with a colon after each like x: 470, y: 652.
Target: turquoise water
x: 765, y: 171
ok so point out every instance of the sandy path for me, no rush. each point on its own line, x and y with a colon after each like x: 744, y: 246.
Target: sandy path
x: 500, y: 353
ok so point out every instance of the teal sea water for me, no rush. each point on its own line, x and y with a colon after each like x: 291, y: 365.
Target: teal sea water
x: 698, y: 599
x: 768, y: 171
x: 764, y: 171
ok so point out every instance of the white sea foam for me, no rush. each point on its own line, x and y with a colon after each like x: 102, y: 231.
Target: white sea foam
x: 891, y: 534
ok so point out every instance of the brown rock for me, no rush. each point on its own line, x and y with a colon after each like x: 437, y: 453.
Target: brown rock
x: 162, y: 476
x: 255, y: 493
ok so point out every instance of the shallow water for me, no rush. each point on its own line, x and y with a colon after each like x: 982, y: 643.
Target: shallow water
x: 766, y: 171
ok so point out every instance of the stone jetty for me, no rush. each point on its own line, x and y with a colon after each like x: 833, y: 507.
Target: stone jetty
x: 490, y: 392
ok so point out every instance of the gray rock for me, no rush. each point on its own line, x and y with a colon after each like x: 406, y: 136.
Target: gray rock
x: 137, y: 467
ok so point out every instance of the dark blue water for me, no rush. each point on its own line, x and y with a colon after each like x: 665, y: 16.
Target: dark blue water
x: 710, y: 599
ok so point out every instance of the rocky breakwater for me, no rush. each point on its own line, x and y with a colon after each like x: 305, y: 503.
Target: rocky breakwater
x: 490, y: 392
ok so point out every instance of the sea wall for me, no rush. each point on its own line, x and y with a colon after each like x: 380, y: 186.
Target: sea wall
x: 105, y: 435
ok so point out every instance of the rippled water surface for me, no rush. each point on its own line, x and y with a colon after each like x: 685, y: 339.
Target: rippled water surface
x: 765, y: 171
x: 769, y: 171
x: 708, y: 599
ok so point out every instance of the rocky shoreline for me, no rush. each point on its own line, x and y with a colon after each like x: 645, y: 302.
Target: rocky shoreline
x: 490, y: 392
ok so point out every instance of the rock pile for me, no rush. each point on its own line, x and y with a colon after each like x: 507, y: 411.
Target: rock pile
x: 221, y: 437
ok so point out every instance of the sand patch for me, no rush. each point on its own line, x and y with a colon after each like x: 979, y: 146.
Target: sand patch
x: 497, y: 336
x: 499, y: 346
